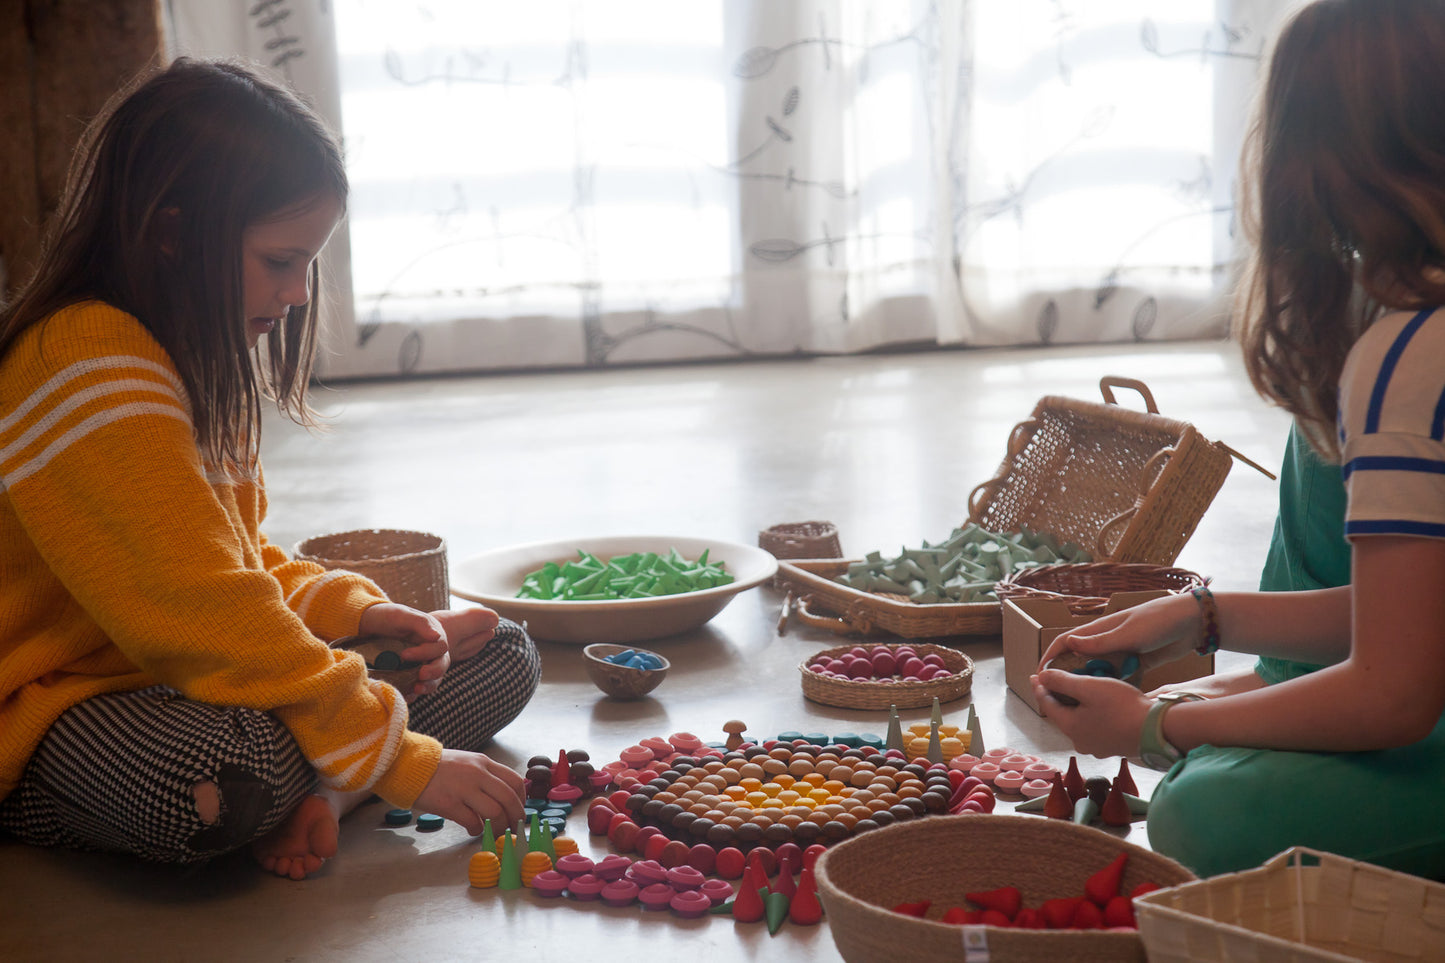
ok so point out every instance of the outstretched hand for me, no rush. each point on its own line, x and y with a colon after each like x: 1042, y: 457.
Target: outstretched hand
x: 1108, y: 718
x: 1160, y: 631
x: 470, y: 787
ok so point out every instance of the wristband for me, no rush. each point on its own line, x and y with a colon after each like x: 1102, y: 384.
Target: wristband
x: 1156, y: 751
x: 1208, y: 619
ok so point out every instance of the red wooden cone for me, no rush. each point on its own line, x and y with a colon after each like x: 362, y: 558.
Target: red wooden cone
x: 1125, y: 779
x: 1074, y: 781
x: 1059, y: 805
x: 1115, y: 811
x: 562, y: 771
x: 748, y: 906
x: 805, y: 910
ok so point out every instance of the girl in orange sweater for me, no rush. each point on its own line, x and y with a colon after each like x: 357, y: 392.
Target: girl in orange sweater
x: 166, y: 686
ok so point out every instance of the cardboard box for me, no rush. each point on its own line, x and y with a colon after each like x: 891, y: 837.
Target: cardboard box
x: 1030, y: 625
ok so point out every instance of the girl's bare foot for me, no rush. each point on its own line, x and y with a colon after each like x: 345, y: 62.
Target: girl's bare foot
x: 303, y: 843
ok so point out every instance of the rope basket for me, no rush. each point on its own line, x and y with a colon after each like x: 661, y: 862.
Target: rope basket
x: 1086, y: 586
x: 905, y: 694
x: 410, y: 567
x: 801, y: 540
x: 1300, y: 905
x: 941, y: 858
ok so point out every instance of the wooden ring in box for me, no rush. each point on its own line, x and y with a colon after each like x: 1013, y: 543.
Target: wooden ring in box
x: 1077, y: 662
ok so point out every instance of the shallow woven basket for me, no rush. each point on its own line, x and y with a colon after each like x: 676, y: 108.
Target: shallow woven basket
x: 410, y: 567
x: 801, y: 540
x: 1301, y: 905
x: 941, y: 858
x: 1086, y: 586
x: 813, y: 582
x: 861, y: 694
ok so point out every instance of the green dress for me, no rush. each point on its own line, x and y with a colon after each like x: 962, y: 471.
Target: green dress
x: 1226, y: 809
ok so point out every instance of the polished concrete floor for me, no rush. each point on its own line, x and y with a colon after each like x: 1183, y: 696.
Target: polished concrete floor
x: 887, y: 447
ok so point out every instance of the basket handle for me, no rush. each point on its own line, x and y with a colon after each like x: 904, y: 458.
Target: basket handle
x: 1018, y: 440
x: 840, y: 626
x: 1147, y: 475
x: 1108, y: 383
x: 1101, y: 549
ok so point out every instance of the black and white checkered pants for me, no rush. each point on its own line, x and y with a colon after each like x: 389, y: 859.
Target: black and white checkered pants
x: 118, y: 772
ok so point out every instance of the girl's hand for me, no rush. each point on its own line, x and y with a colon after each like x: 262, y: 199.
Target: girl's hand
x: 470, y: 787
x: 467, y: 630
x: 1160, y: 630
x: 1108, y: 719
x: 428, y: 641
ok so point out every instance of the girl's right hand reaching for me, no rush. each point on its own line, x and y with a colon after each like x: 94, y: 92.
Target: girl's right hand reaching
x: 1160, y: 631
x: 470, y: 787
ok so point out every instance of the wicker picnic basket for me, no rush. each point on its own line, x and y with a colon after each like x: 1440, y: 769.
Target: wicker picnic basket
x: 908, y: 694
x: 1129, y: 486
x: 410, y: 567
x: 1302, y: 905
x: 1086, y: 586
x: 941, y: 858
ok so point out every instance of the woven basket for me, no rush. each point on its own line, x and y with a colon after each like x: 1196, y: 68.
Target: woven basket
x: 1300, y: 905
x: 860, y: 694
x: 1086, y: 586
x: 941, y: 858
x: 801, y: 540
x: 410, y: 567
x: 1129, y: 486
x: 812, y: 581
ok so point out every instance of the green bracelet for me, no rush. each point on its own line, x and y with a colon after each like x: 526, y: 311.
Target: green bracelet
x: 1209, y: 618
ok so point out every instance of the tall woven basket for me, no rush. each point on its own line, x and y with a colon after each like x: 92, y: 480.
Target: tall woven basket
x: 942, y: 858
x: 410, y: 567
x: 1129, y: 486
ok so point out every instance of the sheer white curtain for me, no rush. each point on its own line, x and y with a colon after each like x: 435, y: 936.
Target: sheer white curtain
x: 573, y: 182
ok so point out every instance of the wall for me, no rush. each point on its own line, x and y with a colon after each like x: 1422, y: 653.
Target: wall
x: 60, y: 60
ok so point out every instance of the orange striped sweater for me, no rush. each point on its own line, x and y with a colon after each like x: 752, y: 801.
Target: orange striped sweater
x: 126, y: 562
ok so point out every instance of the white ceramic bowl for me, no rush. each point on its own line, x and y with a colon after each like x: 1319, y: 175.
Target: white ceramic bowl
x: 494, y: 578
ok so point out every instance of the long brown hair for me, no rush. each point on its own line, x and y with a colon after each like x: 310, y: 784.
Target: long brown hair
x: 1342, y: 195
x: 159, y: 192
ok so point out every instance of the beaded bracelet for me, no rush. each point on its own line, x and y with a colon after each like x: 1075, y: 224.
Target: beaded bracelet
x: 1209, y: 618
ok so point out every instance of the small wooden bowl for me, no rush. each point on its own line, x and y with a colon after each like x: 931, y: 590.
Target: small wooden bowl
x: 619, y: 681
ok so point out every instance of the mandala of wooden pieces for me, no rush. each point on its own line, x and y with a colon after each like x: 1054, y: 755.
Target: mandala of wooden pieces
x: 787, y: 793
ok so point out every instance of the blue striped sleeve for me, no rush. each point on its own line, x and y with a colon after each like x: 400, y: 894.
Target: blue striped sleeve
x: 1387, y: 370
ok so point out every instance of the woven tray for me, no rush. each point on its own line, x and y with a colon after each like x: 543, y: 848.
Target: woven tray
x: 1086, y: 586
x: 811, y: 584
x: 1300, y: 905
x: 410, y: 567
x: 860, y: 694
x: 1130, y: 486
x: 941, y: 858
